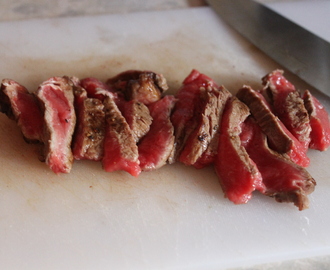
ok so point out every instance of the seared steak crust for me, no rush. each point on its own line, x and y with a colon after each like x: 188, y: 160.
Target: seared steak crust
x: 143, y: 86
x: 89, y: 134
x: 288, y: 105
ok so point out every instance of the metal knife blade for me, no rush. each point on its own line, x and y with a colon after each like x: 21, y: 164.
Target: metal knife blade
x: 292, y: 46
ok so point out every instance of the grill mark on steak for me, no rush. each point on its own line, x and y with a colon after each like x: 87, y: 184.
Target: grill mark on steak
x: 237, y: 173
x: 288, y: 106
x: 279, y: 137
x: 90, y: 128
x: 22, y: 106
x: 157, y: 145
x: 319, y: 119
x: 183, y: 113
x: 56, y: 98
x: 284, y: 180
x: 120, y: 149
x: 144, y: 86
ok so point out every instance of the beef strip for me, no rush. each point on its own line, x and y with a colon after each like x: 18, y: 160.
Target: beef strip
x: 156, y: 146
x: 288, y: 106
x: 214, y: 118
x: 319, y: 119
x: 279, y: 137
x: 137, y: 116
x: 143, y: 86
x: 284, y: 180
x: 182, y: 117
x: 56, y: 98
x: 90, y: 128
x: 237, y: 173
x: 20, y: 105
x: 120, y: 149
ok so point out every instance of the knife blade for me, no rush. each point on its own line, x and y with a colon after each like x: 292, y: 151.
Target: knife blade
x: 298, y: 50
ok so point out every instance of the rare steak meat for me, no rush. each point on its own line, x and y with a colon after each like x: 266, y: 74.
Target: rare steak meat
x: 319, y: 119
x: 238, y: 174
x: 157, y: 145
x: 22, y: 106
x: 288, y: 106
x: 279, y: 137
x: 56, y: 99
x: 137, y: 116
x: 188, y: 98
x: 143, y: 86
x: 120, y: 149
x: 90, y: 128
x: 284, y: 180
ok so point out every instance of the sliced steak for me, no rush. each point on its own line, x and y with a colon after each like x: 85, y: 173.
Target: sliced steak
x: 143, y: 86
x: 56, y: 98
x: 93, y: 85
x: 182, y: 117
x: 157, y: 145
x: 319, y: 119
x: 284, y: 180
x: 279, y: 137
x: 120, y: 149
x: 214, y: 116
x: 20, y: 105
x: 137, y: 116
x: 237, y: 173
x: 288, y: 106
x: 90, y: 128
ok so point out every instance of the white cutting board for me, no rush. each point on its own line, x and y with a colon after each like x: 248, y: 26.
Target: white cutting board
x: 172, y: 218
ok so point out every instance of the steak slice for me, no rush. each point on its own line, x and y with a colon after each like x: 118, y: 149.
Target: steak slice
x: 182, y: 117
x: 157, y: 145
x: 143, y: 86
x: 288, y: 106
x: 319, y: 119
x: 93, y: 86
x: 90, y: 128
x: 137, y: 116
x: 284, y: 180
x: 20, y: 105
x: 238, y: 174
x: 279, y: 137
x: 120, y: 149
x: 56, y: 99
x: 214, y: 118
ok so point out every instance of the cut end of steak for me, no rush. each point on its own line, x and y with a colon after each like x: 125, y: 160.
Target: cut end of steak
x: 319, y: 120
x: 144, y: 86
x: 284, y: 180
x: 156, y: 146
x: 90, y: 128
x: 120, y: 149
x: 20, y: 105
x: 238, y: 174
x: 56, y: 98
x: 279, y: 137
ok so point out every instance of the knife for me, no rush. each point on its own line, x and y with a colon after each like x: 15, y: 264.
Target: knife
x: 289, y: 44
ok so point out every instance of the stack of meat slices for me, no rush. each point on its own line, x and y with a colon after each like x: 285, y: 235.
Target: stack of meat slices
x: 256, y: 140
